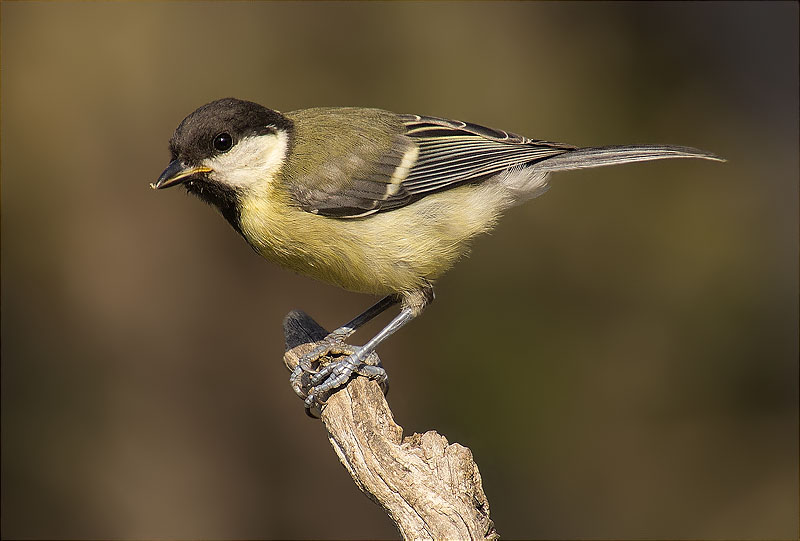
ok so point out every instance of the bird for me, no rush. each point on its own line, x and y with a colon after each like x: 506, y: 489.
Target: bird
x: 366, y: 199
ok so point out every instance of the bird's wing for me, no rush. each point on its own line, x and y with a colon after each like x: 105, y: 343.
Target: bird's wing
x: 452, y: 153
x: 389, y: 161
x: 347, y: 162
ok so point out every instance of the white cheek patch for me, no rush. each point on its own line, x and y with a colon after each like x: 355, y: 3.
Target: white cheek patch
x: 253, y: 160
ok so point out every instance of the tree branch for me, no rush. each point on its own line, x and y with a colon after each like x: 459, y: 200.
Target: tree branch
x: 430, y: 490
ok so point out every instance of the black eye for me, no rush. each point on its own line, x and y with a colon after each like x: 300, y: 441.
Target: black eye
x: 223, y: 142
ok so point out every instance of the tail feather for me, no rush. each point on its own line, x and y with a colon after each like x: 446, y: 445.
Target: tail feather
x: 583, y: 158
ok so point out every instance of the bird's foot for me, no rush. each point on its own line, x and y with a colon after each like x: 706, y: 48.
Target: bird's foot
x: 338, y: 371
x: 331, y: 345
x: 329, y: 366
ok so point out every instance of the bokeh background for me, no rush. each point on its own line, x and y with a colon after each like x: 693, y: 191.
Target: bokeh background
x: 621, y: 354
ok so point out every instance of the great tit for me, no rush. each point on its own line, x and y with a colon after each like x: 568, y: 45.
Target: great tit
x: 366, y: 199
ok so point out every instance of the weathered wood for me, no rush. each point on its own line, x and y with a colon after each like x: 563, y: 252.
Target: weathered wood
x: 429, y: 488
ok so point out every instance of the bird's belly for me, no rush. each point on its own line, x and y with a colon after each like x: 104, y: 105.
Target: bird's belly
x: 393, y: 251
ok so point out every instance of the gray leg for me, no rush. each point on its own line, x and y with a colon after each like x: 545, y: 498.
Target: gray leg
x: 337, y: 373
x: 369, y: 314
x: 334, y: 342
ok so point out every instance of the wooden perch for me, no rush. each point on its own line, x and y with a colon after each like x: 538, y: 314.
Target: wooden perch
x: 431, y: 490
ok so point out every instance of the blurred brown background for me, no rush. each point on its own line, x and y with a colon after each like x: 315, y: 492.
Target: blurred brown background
x: 620, y: 355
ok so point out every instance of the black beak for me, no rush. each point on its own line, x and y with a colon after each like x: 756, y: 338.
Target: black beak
x: 176, y: 173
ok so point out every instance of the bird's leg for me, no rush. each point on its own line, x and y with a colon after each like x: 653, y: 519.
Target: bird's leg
x: 338, y: 372
x: 334, y: 342
x: 346, y: 330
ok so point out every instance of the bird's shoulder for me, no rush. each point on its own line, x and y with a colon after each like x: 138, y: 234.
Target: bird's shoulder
x: 343, y: 161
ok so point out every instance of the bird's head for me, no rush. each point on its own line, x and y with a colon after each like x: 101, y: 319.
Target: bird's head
x: 226, y: 147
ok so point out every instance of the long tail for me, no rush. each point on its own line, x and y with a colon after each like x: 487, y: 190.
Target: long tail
x: 599, y: 156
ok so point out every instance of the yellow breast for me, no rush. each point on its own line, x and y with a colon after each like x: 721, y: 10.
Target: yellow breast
x: 398, y: 250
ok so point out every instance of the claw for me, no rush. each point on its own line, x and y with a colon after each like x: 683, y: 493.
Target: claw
x: 333, y: 344
x: 311, y: 384
x: 306, y: 367
x: 314, y: 400
x: 307, y: 361
x: 321, y: 375
x: 296, y: 381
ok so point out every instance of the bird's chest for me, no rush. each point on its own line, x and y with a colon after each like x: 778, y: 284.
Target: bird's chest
x: 340, y: 252
x: 393, y: 251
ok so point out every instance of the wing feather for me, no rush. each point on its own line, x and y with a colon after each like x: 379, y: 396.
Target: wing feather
x: 453, y: 153
x: 385, y: 161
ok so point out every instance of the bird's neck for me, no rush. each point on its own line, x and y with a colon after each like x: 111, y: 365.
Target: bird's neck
x: 225, y: 198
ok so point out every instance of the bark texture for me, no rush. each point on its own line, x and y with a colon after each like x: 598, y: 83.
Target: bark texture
x: 430, y: 489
